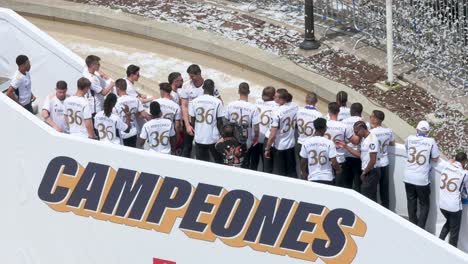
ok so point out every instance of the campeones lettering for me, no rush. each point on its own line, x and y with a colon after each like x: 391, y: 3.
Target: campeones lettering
x: 276, y: 225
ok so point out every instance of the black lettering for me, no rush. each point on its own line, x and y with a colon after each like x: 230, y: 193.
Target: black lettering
x: 332, y: 228
x: 90, y: 186
x: 125, y: 191
x: 235, y: 226
x: 64, y: 165
x: 197, y: 205
x: 164, y: 200
x: 298, y: 224
x: 268, y: 221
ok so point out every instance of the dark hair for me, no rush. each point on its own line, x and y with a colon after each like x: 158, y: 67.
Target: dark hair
x: 92, y: 59
x: 379, y: 115
x: 228, y: 131
x: 172, y: 76
x: 61, y: 85
x: 21, y: 59
x: 208, y: 86
x: 121, y: 84
x: 356, y: 109
x: 244, y: 88
x: 320, y: 124
x: 109, y: 104
x: 282, y: 94
x: 289, y: 98
x: 268, y: 93
x: 360, y: 124
x: 132, y: 69
x: 311, y: 98
x: 165, y: 87
x: 342, y: 98
x: 83, y: 83
x: 333, y: 108
x: 194, y: 69
x: 460, y: 157
x: 155, y: 109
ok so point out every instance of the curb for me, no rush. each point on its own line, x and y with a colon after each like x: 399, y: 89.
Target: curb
x: 251, y: 58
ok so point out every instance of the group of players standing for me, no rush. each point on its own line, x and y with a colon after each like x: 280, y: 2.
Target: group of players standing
x: 338, y: 148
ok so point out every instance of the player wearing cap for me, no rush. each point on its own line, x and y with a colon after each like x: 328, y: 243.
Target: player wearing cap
x: 453, y: 180
x: 136, y: 109
x: 336, y: 131
x: 20, y: 86
x: 110, y: 125
x: 78, y: 115
x: 265, y: 107
x: 158, y: 132
x: 246, y: 116
x: 189, y: 92
x: 97, y: 91
x: 318, y: 156
x: 175, y: 81
x: 169, y: 109
x: 386, y: 138
x: 369, y: 148
x: 305, y: 121
x: 53, y: 110
x: 352, y: 170
x: 421, y: 150
x: 281, y: 141
x: 206, y: 114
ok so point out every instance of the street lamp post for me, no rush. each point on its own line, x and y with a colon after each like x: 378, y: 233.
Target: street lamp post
x: 309, y: 42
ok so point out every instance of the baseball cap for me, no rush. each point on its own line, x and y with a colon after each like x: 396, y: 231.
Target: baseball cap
x: 423, y: 126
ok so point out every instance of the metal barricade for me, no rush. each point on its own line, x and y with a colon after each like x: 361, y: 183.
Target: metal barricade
x: 338, y: 12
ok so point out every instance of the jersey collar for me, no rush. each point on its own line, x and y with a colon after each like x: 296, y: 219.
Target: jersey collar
x: 457, y: 164
x: 310, y: 107
x: 421, y: 135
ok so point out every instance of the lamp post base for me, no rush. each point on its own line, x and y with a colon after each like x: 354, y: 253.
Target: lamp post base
x: 309, y: 45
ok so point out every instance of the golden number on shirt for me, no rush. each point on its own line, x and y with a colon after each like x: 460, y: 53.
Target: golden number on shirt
x: 288, y: 123
x: 105, y: 132
x: 334, y: 139
x: 265, y: 118
x: 383, y: 146
x: 416, y: 157
x: 318, y: 159
x: 169, y: 116
x: 450, y: 185
x: 157, y: 139
x: 74, y: 118
x: 202, y: 117
x: 305, y: 129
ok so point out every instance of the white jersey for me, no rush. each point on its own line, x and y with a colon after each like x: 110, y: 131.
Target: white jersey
x: 22, y: 85
x: 170, y: 111
x: 369, y: 145
x: 189, y: 92
x: 175, y: 97
x: 157, y: 133
x: 77, y: 110
x: 206, y: 109
x: 318, y: 151
x: 385, y: 136
x: 265, y: 110
x: 344, y: 113
x: 131, y: 91
x: 94, y: 96
x: 284, y: 119
x: 349, y: 123
x: 420, y: 150
x: 305, y: 122
x: 56, y: 109
x: 135, y: 107
x: 452, y: 181
x: 109, y: 128
x: 243, y: 113
x: 336, y: 131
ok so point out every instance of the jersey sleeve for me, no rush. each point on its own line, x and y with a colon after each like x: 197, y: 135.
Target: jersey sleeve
x: 178, y: 114
x: 172, y: 130
x: 183, y: 93
x: 221, y: 111
x: 435, y: 151
x: 303, y: 153
x: 255, y: 117
x: 374, y: 145
x: 16, y: 82
x: 46, y: 105
x: 87, y: 112
x: 120, y: 125
x: 332, y: 151
x: 144, y: 133
x: 275, y: 120
x: 140, y: 106
x: 96, y: 87
x: 349, y: 133
x: 216, y: 93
